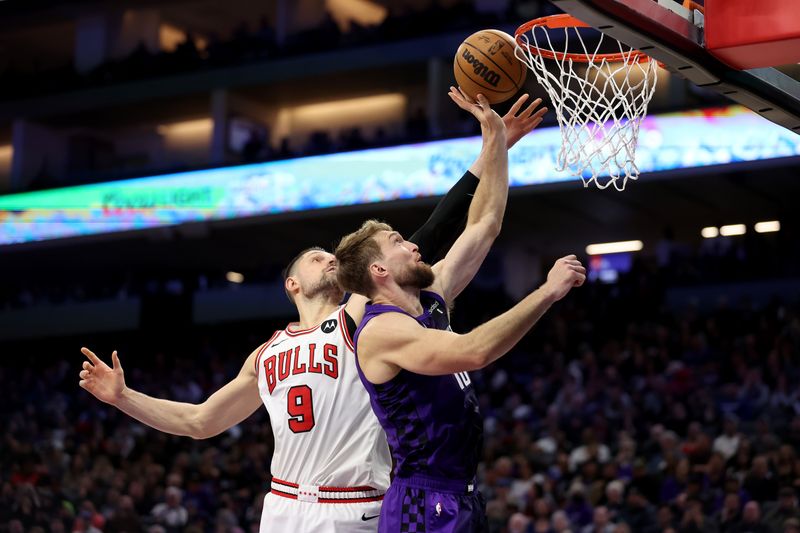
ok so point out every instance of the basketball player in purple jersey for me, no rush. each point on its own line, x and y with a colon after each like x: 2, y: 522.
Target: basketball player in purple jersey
x: 331, y: 463
x: 415, y: 368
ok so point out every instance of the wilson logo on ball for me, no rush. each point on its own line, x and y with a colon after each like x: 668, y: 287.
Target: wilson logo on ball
x: 480, y: 69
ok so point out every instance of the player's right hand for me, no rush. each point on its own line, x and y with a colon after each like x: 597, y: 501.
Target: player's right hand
x: 481, y: 109
x: 567, y: 273
x: 106, y: 383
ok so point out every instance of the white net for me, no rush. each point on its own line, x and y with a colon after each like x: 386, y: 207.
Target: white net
x: 599, y: 104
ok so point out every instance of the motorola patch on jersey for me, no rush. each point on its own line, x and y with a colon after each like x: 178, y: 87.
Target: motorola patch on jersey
x: 328, y: 326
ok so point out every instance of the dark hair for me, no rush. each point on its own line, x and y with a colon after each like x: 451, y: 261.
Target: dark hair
x: 289, y: 270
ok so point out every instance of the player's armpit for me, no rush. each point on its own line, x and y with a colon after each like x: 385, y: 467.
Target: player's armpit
x: 393, y: 341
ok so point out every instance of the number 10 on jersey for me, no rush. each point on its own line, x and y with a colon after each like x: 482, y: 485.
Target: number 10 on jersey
x: 463, y: 380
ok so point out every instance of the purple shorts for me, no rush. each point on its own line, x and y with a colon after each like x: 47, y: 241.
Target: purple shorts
x: 432, y: 505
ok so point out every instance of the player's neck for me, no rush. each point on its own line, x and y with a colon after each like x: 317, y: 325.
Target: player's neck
x: 406, y: 298
x: 313, y: 311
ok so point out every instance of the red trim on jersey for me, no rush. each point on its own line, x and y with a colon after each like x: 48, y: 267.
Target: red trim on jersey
x: 264, y: 347
x: 321, y: 499
x: 331, y: 500
x: 302, y: 331
x: 361, y: 488
x: 345, y: 333
x: 346, y: 489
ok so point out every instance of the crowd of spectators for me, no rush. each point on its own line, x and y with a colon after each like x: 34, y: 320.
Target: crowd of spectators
x: 616, y: 414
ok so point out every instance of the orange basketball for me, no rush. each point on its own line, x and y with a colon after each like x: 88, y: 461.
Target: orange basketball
x: 485, y: 63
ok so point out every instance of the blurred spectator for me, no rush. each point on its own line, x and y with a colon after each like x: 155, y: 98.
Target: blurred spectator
x: 638, y: 512
x: 761, y: 484
x: 751, y: 520
x: 561, y: 523
x: 171, y: 513
x: 600, y: 522
x: 730, y: 514
x: 776, y: 514
x: 694, y: 521
x: 614, y: 501
x: 728, y: 442
x: 791, y: 526
x: 124, y: 518
x: 578, y: 509
x: 590, y: 450
x: 519, y: 523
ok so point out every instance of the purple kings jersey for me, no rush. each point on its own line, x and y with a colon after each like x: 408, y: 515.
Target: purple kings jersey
x: 432, y: 423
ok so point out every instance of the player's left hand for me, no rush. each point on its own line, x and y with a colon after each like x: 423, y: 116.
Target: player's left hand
x: 519, y: 125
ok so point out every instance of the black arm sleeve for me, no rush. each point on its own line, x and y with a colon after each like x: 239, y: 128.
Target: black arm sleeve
x: 350, y: 324
x: 447, y: 220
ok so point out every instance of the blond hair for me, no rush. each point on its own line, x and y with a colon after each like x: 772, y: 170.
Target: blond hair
x: 354, y: 254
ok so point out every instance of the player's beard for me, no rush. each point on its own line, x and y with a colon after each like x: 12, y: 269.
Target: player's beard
x: 328, y: 286
x: 419, y: 276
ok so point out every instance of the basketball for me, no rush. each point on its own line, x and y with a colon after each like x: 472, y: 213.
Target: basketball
x: 485, y: 63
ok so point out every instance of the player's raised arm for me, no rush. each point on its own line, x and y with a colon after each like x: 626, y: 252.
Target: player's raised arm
x: 224, y: 409
x: 392, y: 341
x: 485, y: 217
x: 450, y: 214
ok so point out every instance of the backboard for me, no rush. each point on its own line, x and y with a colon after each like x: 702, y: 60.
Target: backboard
x: 667, y: 32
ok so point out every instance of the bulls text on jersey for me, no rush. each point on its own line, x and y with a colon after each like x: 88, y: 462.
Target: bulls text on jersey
x: 299, y: 360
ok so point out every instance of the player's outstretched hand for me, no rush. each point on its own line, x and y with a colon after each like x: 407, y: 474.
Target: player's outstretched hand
x: 565, y: 274
x: 518, y: 125
x: 106, y: 383
x: 481, y: 109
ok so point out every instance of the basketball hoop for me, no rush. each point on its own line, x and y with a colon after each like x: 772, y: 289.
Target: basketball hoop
x: 599, y: 111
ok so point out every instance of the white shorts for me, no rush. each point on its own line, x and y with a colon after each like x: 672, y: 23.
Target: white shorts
x: 284, y: 515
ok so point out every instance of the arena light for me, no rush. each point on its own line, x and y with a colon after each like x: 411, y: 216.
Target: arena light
x: 188, y: 127
x: 364, y: 13
x: 365, y: 112
x: 234, y: 277
x: 709, y: 232
x: 614, y: 247
x: 733, y: 229
x: 768, y: 226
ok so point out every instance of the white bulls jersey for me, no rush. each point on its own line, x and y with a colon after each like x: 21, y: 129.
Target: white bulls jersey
x: 325, y: 431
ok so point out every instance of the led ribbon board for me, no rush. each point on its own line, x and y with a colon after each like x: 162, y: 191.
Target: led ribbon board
x: 666, y: 142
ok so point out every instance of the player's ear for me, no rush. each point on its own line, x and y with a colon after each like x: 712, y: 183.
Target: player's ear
x: 291, y: 285
x: 377, y: 270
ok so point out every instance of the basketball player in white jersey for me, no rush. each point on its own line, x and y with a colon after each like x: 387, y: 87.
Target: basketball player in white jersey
x: 331, y: 461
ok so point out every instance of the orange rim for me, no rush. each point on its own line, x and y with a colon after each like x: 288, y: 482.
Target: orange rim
x: 568, y: 21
